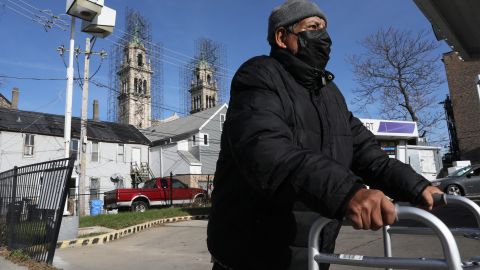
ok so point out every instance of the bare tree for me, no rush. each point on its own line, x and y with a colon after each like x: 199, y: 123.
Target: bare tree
x: 399, y: 73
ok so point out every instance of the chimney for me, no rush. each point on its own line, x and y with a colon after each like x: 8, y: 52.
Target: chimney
x: 95, y: 110
x: 15, y: 98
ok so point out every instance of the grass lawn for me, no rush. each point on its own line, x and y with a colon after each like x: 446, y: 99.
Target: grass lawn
x: 20, y: 258
x: 127, y: 219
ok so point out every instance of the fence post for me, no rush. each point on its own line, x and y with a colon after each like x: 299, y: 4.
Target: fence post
x: 171, y: 189
x: 12, y: 210
x: 208, y: 188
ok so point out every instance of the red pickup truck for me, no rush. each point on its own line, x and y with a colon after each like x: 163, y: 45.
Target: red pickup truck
x: 155, y: 192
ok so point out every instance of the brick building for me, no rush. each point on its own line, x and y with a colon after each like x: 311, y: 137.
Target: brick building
x: 462, y: 83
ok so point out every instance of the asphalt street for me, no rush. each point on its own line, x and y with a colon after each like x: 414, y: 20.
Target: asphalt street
x: 182, y: 246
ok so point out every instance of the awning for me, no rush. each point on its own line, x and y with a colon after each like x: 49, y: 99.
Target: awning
x: 457, y: 22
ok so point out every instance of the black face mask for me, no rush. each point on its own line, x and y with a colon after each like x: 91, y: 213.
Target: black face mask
x: 314, y: 48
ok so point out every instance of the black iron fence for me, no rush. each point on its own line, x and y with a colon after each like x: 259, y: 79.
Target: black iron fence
x: 32, y: 199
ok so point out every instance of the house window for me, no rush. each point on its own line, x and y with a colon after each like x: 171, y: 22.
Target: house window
x: 74, y: 148
x: 94, y: 189
x: 28, y: 145
x: 205, y: 139
x: 194, y: 140
x: 222, y: 120
x: 121, y: 153
x: 95, y: 153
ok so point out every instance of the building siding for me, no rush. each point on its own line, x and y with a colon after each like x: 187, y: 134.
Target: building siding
x: 50, y: 148
x: 462, y: 83
x: 209, y: 154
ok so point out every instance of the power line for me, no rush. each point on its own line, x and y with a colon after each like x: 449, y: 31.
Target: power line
x: 227, y: 76
x: 173, y: 51
x: 49, y: 21
x: 34, y: 78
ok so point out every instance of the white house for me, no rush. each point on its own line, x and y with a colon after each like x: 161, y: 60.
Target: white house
x: 187, y: 146
x: 32, y: 137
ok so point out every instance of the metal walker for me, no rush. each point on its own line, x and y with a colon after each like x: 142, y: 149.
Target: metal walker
x: 452, y: 259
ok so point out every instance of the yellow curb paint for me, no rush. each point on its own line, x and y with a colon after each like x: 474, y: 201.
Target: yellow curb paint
x: 111, y: 236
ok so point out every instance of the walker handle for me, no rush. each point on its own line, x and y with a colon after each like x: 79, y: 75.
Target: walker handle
x: 439, y: 199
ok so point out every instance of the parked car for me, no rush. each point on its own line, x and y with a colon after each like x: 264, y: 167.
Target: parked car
x: 155, y: 192
x: 465, y: 182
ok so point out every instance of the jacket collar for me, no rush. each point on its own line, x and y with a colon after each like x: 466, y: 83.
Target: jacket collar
x: 309, y: 77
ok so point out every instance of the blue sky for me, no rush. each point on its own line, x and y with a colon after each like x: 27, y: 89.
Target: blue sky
x: 27, y: 50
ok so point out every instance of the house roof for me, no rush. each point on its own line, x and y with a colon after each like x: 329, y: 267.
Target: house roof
x: 456, y: 22
x: 189, y: 158
x: 53, y: 125
x: 181, y: 128
x: 5, y: 99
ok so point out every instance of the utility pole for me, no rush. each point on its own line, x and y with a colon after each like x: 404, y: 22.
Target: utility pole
x: 83, y: 131
x: 68, y: 96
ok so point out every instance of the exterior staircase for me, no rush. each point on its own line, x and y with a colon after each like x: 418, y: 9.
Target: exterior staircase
x: 140, y: 172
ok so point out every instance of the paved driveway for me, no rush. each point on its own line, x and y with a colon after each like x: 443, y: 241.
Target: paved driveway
x: 182, y: 246
x: 179, y: 245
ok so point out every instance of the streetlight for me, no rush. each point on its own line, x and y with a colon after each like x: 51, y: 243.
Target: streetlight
x: 85, y: 10
x: 98, y: 20
x: 102, y: 25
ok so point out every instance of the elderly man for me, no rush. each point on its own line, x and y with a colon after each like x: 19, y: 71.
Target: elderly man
x: 291, y: 152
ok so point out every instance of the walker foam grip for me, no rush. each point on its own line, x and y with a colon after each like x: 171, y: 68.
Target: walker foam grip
x: 439, y: 199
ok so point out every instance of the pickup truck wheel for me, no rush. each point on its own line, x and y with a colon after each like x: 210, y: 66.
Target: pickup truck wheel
x: 199, y: 200
x: 139, y: 206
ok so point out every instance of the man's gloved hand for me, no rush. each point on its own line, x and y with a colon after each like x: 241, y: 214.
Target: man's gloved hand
x: 370, y: 209
x: 426, y: 201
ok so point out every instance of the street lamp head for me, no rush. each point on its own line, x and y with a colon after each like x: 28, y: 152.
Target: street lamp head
x: 102, y: 25
x: 84, y: 9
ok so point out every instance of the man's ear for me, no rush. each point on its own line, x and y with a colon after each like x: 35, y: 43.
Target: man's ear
x: 280, y: 37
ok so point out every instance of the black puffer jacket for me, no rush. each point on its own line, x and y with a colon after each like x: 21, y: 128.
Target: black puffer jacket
x: 290, y: 152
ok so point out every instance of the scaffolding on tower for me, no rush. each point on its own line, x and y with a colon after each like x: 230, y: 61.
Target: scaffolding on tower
x: 136, y: 26
x: 215, y: 54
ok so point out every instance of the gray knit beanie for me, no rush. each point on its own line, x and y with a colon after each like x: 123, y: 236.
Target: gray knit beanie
x: 290, y: 12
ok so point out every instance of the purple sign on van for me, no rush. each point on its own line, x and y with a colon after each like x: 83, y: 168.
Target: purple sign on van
x: 396, y: 127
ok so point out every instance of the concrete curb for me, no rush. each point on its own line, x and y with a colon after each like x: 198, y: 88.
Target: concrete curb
x: 111, y: 236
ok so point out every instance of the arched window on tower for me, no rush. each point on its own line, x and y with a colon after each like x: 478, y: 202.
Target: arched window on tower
x: 209, y: 79
x: 145, y: 87
x: 140, y: 60
x: 140, y: 90
x: 135, y: 85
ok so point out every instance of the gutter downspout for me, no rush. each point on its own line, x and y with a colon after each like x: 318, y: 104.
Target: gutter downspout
x: 161, y: 161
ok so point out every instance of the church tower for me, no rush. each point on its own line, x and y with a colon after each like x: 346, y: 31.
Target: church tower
x: 203, y: 90
x: 135, y: 75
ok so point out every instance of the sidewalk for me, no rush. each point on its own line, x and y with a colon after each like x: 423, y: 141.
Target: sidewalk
x: 358, y: 242
x: 8, y: 265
